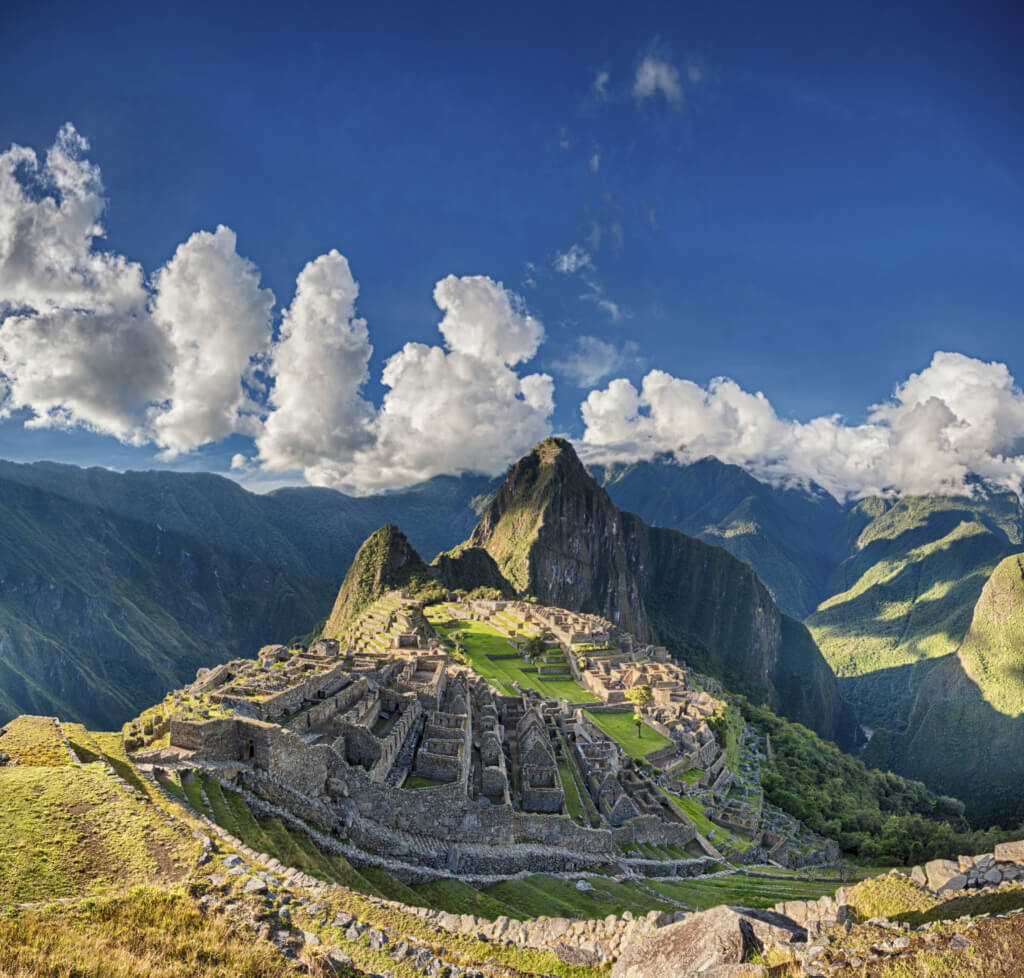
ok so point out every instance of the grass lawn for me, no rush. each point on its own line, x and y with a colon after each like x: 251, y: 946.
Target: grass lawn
x: 74, y: 832
x: 418, y: 781
x: 573, y: 803
x: 34, y: 741
x: 458, y: 897
x: 622, y: 728
x: 484, y: 641
x: 557, y: 897
x: 745, y: 891
x: 694, y: 812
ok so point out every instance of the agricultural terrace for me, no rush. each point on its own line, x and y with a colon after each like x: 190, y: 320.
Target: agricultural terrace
x: 489, y: 653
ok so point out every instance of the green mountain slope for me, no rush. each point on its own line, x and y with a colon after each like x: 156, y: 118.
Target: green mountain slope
x: 385, y: 562
x: 554, y: 533
x: 906, y: 593
x: 115, y: 587
x: 966, y: 730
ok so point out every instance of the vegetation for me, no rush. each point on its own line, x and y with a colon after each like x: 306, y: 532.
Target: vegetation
x: 73, y: 831
x: 877, y: 816
x: 621, y: 727
x: 35, y: 741
x: 144, y: 933
x: 494, y: 658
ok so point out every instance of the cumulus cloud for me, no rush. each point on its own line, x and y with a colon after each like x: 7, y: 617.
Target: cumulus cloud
x: 653, y: 75
x: 216, y: 319
x: 592, y: 359
x: 76, y: 343
x: 575, y: 259
x: 84, y: 341
x: 461, y: 408
x: 599, y: 86
x: 319, y: 367
x: 956, y: 418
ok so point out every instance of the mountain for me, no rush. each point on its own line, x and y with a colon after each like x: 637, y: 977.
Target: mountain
x: 555, y: 533
x: 792, y: 537
x: 115, y: 587
x: 965, y: 732
x: 904, y: 596
x: 384, y: 562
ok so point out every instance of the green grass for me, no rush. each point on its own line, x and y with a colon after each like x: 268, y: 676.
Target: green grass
x: 534, y: 896
x: 72, y: 831
x: 736, y: 889
x: 194, y: 794
x: 221, y: 813
x: 458, y: 897
x: 418, y: 781
x: 484, y: 641
x: 621, y: 727
x: 35, y: 742
x: 573, y: 804
x: 694, y: 812
x: 82, y: 743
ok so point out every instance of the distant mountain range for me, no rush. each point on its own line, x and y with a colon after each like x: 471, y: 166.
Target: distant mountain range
x: 115, y: 587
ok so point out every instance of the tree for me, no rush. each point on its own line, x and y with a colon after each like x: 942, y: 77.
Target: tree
x: 640, y: 696
x: 533, y: 647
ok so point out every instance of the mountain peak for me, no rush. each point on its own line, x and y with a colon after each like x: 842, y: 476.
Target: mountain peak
x: 386, y: 561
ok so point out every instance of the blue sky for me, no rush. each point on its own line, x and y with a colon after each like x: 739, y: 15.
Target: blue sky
x: 810, y: 199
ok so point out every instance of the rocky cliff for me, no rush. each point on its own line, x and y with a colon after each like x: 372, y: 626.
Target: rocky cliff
x: 555, y: 533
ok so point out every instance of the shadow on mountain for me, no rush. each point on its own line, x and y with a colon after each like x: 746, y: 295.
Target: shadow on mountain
x: 958, y: 744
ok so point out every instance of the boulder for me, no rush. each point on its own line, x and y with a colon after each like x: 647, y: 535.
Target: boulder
x: 918, y: 876
x: 720, y: 936
x: 940, y: 872
x: 993, y: 876
x: 1010, y: 852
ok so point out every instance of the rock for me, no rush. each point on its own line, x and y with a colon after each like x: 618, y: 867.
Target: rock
x: 583, y: 886
x: 1010, y: 852
x: 940, y: 872
x: 308, y: 937
x: 736, y: 971
x: 255, y: 886
x: 337, y: 961
x: 958, y: 882
x: 958, y: 942
x: 721, y: 936
x: 342, y: 920
x: 984, y: 861
x: 918, y: 876
x: 378, y: 939
x: 965, y: 863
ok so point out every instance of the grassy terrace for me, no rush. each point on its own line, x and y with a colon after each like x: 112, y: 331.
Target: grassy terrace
x: 484, y: 642
x: 73, y: 831
x: 735, y: 888
x: 621, y: 727
x: 34, y: 741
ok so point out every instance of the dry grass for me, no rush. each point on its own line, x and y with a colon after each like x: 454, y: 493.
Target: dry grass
x: 146, y: 933
x: 34, y: 742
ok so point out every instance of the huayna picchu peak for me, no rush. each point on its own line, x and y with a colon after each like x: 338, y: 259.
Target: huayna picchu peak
x: 555, y: 533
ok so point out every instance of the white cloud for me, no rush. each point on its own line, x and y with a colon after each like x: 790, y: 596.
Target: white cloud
x: 959, y: 416
x: 459, y: 409
x: 216, y: 319
x: 84, y: 342
x: 319, y: 366
x: 654, y: 75
x: 599, y: 86
x: 594, y: 162
x: 593, y: 359
x: 76, y: 343
x: 574, y: 260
